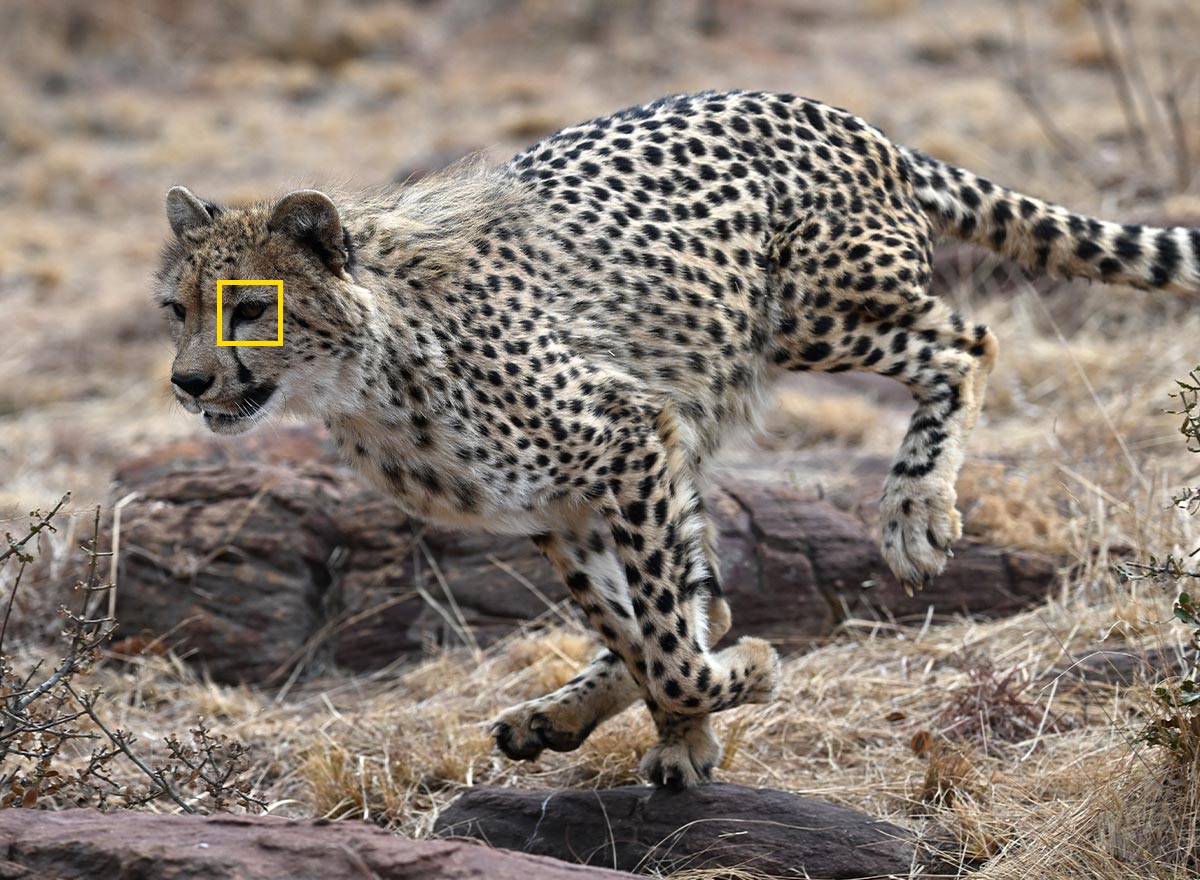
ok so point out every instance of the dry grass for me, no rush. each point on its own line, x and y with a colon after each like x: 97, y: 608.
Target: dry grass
x: 965, y: 732
x: 802, y: 421
x: 1016, y: 509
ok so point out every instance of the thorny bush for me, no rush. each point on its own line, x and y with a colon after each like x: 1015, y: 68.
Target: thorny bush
x: 56, y: 747
x: 1177, y: 725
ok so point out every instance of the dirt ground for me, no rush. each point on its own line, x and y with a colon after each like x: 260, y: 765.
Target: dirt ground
x: 106, y: 104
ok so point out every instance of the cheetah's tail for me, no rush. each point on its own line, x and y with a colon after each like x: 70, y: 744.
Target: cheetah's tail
x: 1048, y: 238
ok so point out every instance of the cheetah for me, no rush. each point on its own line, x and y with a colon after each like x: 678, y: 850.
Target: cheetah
x: 557, y: 348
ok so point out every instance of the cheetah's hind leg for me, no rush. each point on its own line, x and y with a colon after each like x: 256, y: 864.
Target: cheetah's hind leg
x: 948, y: 376
x: 886, y: 322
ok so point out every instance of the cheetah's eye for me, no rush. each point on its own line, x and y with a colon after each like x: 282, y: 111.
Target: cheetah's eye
x: 180, y: 311
x: 249, y: 311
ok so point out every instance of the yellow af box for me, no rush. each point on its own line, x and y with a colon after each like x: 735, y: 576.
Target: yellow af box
x: 278, y: 285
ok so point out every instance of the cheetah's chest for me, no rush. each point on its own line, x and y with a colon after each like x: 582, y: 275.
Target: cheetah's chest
x: 432, y: 485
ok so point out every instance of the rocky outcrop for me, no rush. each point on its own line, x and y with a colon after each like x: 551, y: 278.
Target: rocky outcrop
x: 36, y: 845
x: 763, y: 831
x: 252, y: 554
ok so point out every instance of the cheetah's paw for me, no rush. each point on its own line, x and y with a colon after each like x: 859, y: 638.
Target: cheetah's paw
x: 526, y: 730
x: 754, y: 670
x: 918, y: 531
x: 683, y: 760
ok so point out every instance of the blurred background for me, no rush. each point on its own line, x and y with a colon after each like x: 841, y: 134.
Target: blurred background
x: 104, y: 104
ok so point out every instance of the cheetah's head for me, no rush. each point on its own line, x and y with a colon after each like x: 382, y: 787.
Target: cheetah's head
x: 298, y: 240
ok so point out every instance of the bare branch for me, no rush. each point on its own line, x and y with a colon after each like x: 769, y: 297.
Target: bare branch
x: 39, y: 714
x: 119, y: 739
x: 43, y: 523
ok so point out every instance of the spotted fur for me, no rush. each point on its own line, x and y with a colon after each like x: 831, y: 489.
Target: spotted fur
x: 557, y: 347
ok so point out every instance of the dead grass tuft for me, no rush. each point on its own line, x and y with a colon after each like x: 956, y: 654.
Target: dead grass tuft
x: 801, y: 421
x: 554, y: 658
x: 991, y: 707
x: 1015, y: 509
x: 1142, y: 819
x: 949, y: 776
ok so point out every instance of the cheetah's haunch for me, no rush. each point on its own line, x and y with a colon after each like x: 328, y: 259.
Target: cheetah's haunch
x: 557, y: 347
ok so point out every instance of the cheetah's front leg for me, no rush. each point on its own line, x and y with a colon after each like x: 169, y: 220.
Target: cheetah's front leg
x: 659, y: 528
x: 562, y: 720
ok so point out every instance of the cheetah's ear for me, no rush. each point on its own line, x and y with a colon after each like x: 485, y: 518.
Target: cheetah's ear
x: 186, y: 211
x: 309, y: 218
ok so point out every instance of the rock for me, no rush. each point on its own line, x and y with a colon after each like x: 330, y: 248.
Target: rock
x: 228, y: 559
x: 1123, y: 666
x: 252, y: 554
x: 657, y: 831
x: 143, y: 846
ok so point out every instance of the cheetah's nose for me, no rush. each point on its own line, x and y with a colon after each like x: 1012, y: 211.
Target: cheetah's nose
x: 194, y: 384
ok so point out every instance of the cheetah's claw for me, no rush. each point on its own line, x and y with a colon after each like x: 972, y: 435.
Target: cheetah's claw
x: 686, y: 762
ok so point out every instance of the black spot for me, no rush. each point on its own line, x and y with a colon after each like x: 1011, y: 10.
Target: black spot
x: 818, y: 351
x: 654, y: 564
x: 1168, y: 259
x: 1127, y: 246
x: 1047, y: 229
x: 814, y: 116
x: 665, y: 602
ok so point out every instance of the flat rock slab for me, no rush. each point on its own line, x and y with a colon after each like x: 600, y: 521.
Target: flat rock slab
x: 715, y: 826
x: 248, y: 555
x: 39, y: 845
